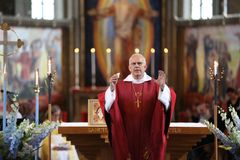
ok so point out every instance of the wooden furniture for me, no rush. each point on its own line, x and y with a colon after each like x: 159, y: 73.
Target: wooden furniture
x: 92, y: 141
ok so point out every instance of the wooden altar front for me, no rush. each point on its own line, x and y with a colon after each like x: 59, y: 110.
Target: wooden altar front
x: 92, y: 141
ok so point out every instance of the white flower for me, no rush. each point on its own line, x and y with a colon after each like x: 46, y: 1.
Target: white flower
x: 232, y: 140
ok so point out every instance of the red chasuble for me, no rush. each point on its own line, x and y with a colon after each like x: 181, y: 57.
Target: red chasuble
x: 137, y: 121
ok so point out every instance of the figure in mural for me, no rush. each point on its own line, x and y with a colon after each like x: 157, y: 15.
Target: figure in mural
x: 238, y: 70
x: 216, y: 50
x: 127, y: 32
x: 224, y: 59
x: 208, y: 48
x: 238, y: 77
x: 192, y: 44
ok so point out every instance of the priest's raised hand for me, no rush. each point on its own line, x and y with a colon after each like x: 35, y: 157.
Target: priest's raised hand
x: 161, y: 80
x: 113, y: 81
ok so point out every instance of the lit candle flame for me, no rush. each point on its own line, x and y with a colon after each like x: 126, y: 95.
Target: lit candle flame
x: 108, y: 50
x: 152, y: 50
x: 137, y: 50
x: 165, y: 50
x: 92, y: 50
x: 76, y: 50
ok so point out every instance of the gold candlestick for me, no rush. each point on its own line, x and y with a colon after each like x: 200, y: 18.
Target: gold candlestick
x: 216, y: 74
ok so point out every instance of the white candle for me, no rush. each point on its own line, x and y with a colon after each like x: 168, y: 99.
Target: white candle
x: 76, y: 51
x: 93, y: 66
x: 4, y: 97
x: 152, y: 61
x: 108, y: 50
x: 166, y: 60
x: 4, y: 70
x: 215, y: 67
x: 37, y: 77
x: 49, y: 66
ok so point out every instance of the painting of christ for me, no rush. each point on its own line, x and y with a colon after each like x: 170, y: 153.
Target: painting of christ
x: 122, y: 26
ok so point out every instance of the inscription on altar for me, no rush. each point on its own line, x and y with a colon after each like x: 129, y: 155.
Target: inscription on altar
x: 97, y: 130
x: 175, y: 130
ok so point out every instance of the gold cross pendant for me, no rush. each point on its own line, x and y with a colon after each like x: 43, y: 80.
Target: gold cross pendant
x: 138, y: 103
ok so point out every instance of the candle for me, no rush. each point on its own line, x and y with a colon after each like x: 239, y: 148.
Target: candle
x: 152, y: 61
x: 76, y: 51
x: 4, y: 70
x: 36, y: 108
x: 93, y: 66
x: 108, y: 50
x: 37, y: 77
x: 165, y: 50
x: 215, y: 67
x: 137, y: 50
x: 49, y: 66
x: 4, y: 96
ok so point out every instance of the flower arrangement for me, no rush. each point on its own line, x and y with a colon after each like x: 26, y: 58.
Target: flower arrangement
x: 231, y: 140
x: 21, y: 141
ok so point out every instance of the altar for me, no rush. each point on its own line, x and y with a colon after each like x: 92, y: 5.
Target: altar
x: 92, y: 141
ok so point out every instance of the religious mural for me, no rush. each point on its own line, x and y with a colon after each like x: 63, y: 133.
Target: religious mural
x: 39, y: 45
x: 122, y: 26
x: 202, y: 46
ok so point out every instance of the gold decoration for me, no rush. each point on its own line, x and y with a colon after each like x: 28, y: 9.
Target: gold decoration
x: 218, y: 76
x: 5, y: 26
x: 36, y: 88
x: 20, y: 43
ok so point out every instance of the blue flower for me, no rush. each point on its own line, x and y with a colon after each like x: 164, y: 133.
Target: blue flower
x: 21, y: 142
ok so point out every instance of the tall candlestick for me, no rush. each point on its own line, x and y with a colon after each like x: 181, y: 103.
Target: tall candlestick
x: 215, y: 67
x: 152, y: 62
x: 4, y: 96
x: 37, y: 109
x: 36, y: 90
x: 49, y: 66
x: 108, y: 50
x: 215, y: 72
x: 36, y: 96
x: 76, y: 51
x: 49, y: 82
x: 166, y: 60
x: 93, y: 67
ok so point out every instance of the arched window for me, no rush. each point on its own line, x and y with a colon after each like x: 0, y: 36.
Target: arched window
x: 42, y: 9
x: 201, y: 9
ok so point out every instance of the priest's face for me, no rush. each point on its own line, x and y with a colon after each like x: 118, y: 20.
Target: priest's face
x: 137, y: 66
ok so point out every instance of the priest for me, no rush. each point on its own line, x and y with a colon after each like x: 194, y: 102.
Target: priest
x: 138, y: 111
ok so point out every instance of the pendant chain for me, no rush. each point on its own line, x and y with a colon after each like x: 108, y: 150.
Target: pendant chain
x: 138, y: 96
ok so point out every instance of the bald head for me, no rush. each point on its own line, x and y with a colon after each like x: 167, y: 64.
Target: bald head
x: 137, y: 65
x: 139, y: 56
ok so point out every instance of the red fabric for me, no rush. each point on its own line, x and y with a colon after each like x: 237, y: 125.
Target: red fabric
x: 136, y: 132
